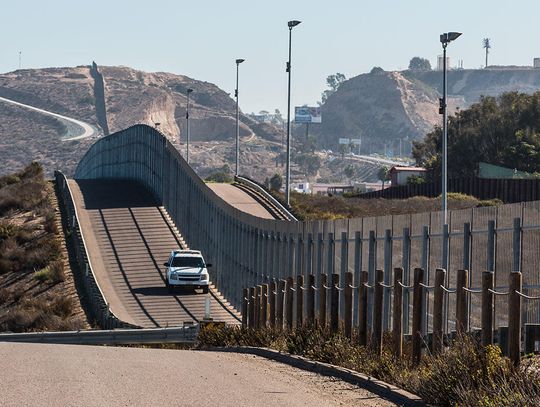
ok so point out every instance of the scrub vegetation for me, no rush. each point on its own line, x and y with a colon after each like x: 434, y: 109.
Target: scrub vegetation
x: 36, y: 291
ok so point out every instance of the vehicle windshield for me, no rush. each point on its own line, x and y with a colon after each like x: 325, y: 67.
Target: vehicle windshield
x: 187, y: 262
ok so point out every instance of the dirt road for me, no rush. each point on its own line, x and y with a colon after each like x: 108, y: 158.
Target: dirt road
x: 76, y: 375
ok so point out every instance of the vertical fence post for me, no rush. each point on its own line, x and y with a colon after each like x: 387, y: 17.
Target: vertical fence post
x: 418, y: 316
x: 426, y: 247
x: 517, y: 245
x: 362, y: 308
x: 334, y: 303
x: 322, y: 300
x: 378, y: 311
x: 272, y: 295
x: 387, y: 277
x: 299, y: 300
x: 487, y: 308
x: 264, y: 305
x: 514, y: 318
x: 245, y: 293
x: 397, y: 313
x: 438, y: 300
x: 279, y: 305
x: 462, y: 310
x: 310, y: 300
x: 251, y: 308
x: 405, y: 262
x: 357, y: 267
x: 257, y: 305
x: 347, y: 314
x: 289, y: 302
x: 344, y: 268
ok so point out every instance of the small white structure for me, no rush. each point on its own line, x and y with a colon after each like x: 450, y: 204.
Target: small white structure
x: 536, y: 63
x: 303, y: 188
x: 399, y: 175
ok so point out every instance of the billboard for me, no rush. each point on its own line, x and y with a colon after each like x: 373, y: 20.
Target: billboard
x: 355, y: 141
x: 307, y: 114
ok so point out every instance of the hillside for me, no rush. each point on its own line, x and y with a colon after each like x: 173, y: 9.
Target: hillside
x: 111, y: 99
x: 383, y: 107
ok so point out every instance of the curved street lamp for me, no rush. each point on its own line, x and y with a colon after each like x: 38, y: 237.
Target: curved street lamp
x: 238, y: 62
x: 445, y: 39
x: 291, y: 24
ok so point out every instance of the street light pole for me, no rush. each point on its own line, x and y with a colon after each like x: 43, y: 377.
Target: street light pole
x: 189, y: 90
x: 445, y: 39
x: 290, y: 24
x: 238, y: 62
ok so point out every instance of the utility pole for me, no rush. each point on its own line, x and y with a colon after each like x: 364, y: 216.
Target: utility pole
x: 189, y: 90
x: 238, y: 62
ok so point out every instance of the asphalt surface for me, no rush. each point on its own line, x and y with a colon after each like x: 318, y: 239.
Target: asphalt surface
x: 77, y: 375
x: 240, y: 200
x: 129, y: 237
x: 87, y: 129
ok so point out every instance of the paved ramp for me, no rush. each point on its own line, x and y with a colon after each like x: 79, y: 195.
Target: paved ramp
x: 240, y: 200
x: 129, y: 237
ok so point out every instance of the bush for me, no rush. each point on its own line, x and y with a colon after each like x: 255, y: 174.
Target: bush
x: 53, y: 273
x: 466, y: 374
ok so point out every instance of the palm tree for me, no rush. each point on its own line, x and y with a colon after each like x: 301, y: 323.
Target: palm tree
x: 487, y: 45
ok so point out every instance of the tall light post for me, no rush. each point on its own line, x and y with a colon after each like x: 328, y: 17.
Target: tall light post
x: 445, y: 38
x: 290, y: 24
x: 238, y: 62
x: 188, y: 91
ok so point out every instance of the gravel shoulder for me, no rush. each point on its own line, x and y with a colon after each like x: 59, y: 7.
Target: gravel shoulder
x: 76, y: 375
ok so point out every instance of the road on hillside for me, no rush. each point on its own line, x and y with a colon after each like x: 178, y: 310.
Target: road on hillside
x: 90, y: 376
x: 87, y: 129
x: 129, y: 237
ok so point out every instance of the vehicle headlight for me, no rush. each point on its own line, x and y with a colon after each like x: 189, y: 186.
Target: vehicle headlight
x: 204, y: 277
x: 174, y: 276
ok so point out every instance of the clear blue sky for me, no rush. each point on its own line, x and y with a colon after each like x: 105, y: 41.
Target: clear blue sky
x: 202, y: 38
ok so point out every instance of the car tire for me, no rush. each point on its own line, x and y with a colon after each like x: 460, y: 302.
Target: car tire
x: 205, y: 290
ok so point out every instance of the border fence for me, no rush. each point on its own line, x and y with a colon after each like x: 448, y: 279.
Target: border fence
x: 249, y: 251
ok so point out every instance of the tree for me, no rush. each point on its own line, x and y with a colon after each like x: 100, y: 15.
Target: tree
x: 310, y: 163
x: 486, y: 44
x: 503, y: 130
x: 333, y: 82
x: 276, y: 182
x: 419, y: 64
x: 382, y: 174
x: 343, y: 149
x: 376, y: 70
x: 349, y: 172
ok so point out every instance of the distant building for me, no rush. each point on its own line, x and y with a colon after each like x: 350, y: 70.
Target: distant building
x: 536, y: 62
x: 399, y: 175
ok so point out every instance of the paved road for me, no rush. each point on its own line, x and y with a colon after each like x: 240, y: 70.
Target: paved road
x: 87, y: 129
x: 75, y: 375
x: 129, y: 238
x: 240, y: 200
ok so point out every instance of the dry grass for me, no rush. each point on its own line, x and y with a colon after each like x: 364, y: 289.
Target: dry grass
x: 33, y: 296
x: 465, y: 375
x: 311, y: 207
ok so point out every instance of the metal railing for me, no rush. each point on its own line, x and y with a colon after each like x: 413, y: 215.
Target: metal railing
x: 247, y: 250
x: 96, y: 305
x: 185, y: 334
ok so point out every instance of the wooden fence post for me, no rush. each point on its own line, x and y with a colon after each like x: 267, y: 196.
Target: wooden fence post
x: 418, y: 316
x: 289, y: 296
x: 245, y: 293
x: 251, y: 308
x: 299, y: 300
x: 334, y: 303
x: 279, y: 305
x: 462, y: 310
x: 487, y: 308
x: 378, y: 312
x: 362, y: 308
x: 272, y: 299
x: 514, y: 318
x: 438, y: 301
x: 322, y: 301
x: 348, y: 304
x: 264, y: 305
x: 397, y: 313
x: 310, y: 305
x: 257, y: 305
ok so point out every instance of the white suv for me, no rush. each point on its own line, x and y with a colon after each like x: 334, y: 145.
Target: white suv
x: 186, y: 268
